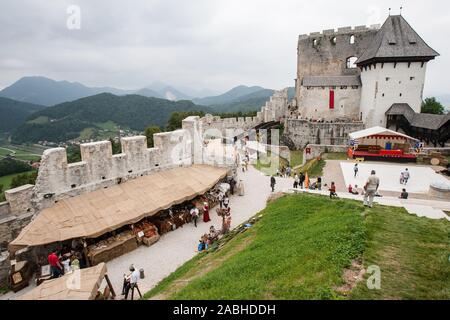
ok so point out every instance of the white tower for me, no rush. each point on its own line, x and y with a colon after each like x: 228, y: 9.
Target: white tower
x: 393, y: 70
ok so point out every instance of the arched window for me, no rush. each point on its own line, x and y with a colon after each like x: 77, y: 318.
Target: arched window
x: 352, y: 39
x: 315, y: 42
x: 351, y: 62
x: 334, y: 40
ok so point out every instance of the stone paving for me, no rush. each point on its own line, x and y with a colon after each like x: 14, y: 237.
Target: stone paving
x: 420, y: 176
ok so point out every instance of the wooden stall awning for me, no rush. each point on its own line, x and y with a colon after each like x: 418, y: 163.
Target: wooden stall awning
x: 95, y: 213
x: 82, y: 284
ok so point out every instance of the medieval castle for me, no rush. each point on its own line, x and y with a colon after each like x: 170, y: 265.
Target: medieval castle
x: 347, y: 80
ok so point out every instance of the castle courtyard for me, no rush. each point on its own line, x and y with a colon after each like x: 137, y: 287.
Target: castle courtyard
x: 389, y: 174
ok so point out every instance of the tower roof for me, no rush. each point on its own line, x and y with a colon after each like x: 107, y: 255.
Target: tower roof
x: 397, y: 41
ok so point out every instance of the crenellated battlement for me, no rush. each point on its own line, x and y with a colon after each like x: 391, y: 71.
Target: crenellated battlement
x: 273, y: 110
x: 339, y: 31
x: 99, y: 167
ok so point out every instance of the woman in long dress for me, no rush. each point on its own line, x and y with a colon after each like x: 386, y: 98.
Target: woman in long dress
x: 206, y: 217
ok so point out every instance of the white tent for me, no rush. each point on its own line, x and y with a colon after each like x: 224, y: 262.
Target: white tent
x: 378, y: 131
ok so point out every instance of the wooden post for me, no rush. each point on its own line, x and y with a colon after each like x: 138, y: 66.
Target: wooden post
x: 113, y: 293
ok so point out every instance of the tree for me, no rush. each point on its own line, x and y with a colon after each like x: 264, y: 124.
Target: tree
x: 73, y: 153
x: 177, y: 117
x: 431, y: 105
x: 149, y: 132
x: 10, y: 166
x: 23, y: 179
x: 116, y: 146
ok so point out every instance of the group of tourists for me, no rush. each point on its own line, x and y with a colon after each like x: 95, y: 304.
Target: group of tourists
x: 300, y: 180
x: 66, y: 260
x: 224, y: 211
x: 285, y: 172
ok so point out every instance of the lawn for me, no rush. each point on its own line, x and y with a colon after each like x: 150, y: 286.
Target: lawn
x: 6, y: 182
x: 303, y: 243
x: 413, y: 255
x: 284, y: 258
x: 335, y: 156
x: 21, y: 152
x: 296, y: 158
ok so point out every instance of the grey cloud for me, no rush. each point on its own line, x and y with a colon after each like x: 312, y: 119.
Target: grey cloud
x: 198, y: 43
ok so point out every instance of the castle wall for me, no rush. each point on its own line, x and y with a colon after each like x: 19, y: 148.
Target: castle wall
x: 315, y: 103
x: 275, y: 109
x: 326, y: 53
x: 99, y: 168
x: 387, y: 83
x: 316, y: 150
x: 225, y: 127
x: 303, y: 132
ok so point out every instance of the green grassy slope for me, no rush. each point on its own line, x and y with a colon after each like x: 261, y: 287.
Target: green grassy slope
x: 302, y: 245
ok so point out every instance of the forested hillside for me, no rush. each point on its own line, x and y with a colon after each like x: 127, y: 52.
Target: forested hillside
x: 67, y: 120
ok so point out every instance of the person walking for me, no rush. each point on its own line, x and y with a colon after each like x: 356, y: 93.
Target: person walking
x: 371, y: 188
x: 406, y: 176
x: 319, y: 183
x: 288, y: 171
x: 194, y: 213
x: 333, y: 190
x: 132, y: 283
x: 272, y: 183
x: 301, y: 179
x: 355, y: 170
x: 240, y: 187
x: 232, y: 185
x: 220, y: 198
x: 206, y: 217
x: 226, y: 201
x: 296, y: 181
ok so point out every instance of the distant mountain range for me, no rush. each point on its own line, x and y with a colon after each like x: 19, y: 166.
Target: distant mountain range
x: 13, y: 113
x: 48, y: 92
x: 75, y: 110
x: 242, y: 99
x: 228, y: 96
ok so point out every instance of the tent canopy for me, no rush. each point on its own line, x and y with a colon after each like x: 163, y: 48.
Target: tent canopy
x: 374, y: 131
x: 82, y: 284
x: 95, y: 213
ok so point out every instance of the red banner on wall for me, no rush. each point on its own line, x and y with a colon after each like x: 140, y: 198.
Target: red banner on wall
x: 331, y: 99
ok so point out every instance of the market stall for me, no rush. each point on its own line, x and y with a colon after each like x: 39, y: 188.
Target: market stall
x: 86, y: 284
x: 108, y: 223
x: 379, y: 143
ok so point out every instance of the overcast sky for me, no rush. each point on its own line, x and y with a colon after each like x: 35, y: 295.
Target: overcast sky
x: 215, y: 44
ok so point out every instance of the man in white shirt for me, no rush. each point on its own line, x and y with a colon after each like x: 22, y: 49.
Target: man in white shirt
x: 405, y: 175
x: 194, y: 213
x: 371, y: 188
x: 133, y: 281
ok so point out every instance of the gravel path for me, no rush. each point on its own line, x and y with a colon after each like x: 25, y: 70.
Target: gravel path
x: 176, y: 247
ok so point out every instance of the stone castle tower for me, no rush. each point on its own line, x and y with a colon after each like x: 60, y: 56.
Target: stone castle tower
x: 357, y: 74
